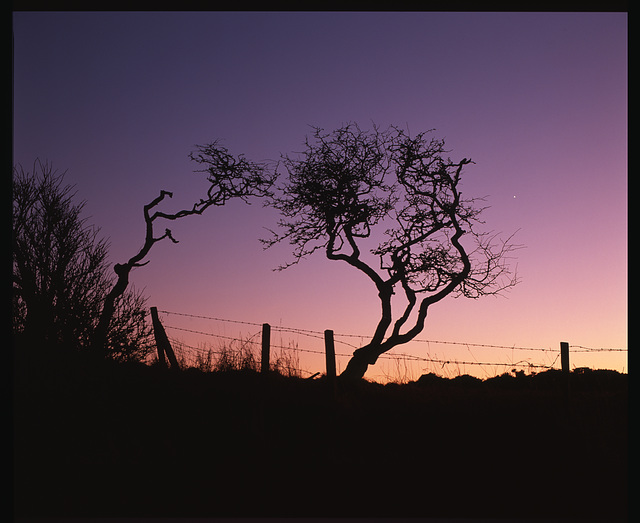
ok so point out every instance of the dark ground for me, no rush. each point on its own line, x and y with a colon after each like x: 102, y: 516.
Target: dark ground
x: 133, y: 441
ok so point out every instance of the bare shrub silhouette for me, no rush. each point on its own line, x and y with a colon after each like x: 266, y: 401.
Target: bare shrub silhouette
x: 60, y: 272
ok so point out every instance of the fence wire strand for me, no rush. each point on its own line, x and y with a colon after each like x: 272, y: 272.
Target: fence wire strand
x: 396, y: 356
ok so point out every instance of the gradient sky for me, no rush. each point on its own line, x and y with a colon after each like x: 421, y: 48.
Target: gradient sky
x: 537, y: 100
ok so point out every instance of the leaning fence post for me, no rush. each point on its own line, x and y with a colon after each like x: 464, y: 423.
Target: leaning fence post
x: 266, y: 341
x: 162, y: 361
x: 162, y: 341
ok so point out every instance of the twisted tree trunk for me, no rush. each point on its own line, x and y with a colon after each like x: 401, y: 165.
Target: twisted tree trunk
x: 123, y: 270
x: 100, y: 334
x: 360, y: 361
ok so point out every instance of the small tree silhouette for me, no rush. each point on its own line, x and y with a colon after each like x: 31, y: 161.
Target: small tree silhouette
x: 346, y: 183
x: 229, y: 177
x: 60, y: 272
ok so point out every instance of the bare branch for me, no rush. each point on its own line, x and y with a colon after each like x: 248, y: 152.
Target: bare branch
x: 229, y: 177
x: 345, y: 183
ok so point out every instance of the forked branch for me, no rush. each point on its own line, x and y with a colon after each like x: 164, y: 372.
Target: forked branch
x: 229, y: 177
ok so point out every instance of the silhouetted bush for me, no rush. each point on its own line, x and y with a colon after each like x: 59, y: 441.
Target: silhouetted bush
x: 430, y: 379
x: 467, y: 380
x: 61, y: 275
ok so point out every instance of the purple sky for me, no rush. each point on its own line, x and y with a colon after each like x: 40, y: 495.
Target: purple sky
x: 537, y: 100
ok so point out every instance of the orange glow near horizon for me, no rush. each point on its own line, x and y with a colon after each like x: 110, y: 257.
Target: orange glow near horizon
x: 192, y: 336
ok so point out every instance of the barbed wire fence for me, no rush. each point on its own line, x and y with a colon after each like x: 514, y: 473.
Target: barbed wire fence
x: 244, y: 349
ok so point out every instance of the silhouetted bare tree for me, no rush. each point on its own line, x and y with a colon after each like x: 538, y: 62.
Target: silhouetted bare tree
x: 349, y: 181
x: 60, y: 272
x: 229, y: 176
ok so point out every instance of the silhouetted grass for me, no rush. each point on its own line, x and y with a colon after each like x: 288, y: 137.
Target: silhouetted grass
x: 236, y: 355
x: 131, y: 440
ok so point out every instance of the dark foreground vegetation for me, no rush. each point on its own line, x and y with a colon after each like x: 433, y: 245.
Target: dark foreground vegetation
x: 132, y: 440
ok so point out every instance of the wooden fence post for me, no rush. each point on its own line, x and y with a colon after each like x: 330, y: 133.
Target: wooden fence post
x: 330, y: 354
x: 330, y: 351
x: 162, y: 341
x: 564, y: 356
x: 266, y: 343
x: 155, y: 320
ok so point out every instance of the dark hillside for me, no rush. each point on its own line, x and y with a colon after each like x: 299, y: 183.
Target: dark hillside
x: 129, y: 440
